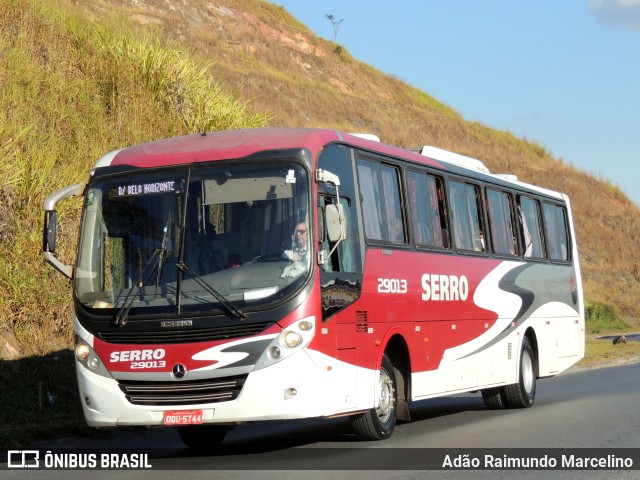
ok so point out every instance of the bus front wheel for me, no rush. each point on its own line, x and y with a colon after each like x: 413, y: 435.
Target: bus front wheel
x: 379, y: 422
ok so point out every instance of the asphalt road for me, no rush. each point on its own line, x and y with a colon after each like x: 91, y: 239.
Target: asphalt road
x: 591, y: 409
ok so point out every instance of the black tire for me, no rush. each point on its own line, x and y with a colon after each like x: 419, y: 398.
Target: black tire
x: 494, y: 398
x: 523, y: 393
x: 378, y: 423
x: 203, y: 437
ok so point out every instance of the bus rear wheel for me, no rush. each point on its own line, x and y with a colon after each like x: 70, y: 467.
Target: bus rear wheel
x: 379, y: 422
x: 494, y: 398
x: 523, y: 393
x: 203, y: 437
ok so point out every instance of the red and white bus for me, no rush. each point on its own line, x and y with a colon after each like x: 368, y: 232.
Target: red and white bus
x: 263, y: 274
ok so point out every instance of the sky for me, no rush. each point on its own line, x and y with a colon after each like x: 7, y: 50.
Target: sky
x: 564, y: 74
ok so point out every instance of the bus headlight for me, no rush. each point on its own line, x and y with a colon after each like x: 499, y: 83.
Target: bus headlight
x: 293, y: 338
x: 88, y: 358
x: 93, y: 363
x: 305, y: 325
x: 82, y: 351
x: 275, y: 352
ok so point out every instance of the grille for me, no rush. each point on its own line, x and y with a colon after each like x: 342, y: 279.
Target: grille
x: 183, y: 335
x: 362, y: 321
x: 181, y: 393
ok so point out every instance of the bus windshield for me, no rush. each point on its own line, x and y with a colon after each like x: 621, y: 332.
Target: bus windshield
x: 193, y: 238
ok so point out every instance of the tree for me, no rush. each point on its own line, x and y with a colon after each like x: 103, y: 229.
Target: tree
x: 336, y: 26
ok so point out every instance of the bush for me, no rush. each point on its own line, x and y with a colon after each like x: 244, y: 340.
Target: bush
x: 602, y: 317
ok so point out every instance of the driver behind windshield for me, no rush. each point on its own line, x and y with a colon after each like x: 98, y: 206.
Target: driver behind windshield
x: 298, y: 253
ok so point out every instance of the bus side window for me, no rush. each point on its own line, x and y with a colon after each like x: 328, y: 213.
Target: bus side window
x: 372, y: 207
x: 391, y: 190
x: 426, y: 204
x: 468, y: 228
x: 555, y: 223
x: 501, y: 226
x: 531, y: 228
x: 381, y: 202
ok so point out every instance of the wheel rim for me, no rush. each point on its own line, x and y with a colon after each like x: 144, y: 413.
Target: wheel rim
x: 528, y: 374
x: 385, y: 409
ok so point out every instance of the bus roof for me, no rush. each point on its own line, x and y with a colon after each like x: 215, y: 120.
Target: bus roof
x: 229, y: 144
x: 232, y: 144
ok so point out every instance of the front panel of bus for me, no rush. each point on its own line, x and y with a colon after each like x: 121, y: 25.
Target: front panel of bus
x: 188, y: 297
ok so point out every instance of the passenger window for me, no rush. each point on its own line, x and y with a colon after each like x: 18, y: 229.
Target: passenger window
x: 426, y: 202
x: 501, y: 226
x: 468, y: 229
x: 555, y: 222
x: 381, y: 202
x: 531, y: 228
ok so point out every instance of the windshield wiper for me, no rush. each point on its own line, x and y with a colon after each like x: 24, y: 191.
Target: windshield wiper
x: 121, y: 317
x: 163, y: 250
x: 185, y: 267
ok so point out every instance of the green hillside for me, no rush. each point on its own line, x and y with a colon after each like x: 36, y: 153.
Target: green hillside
x: 72, y: 90
x: 81, y: 78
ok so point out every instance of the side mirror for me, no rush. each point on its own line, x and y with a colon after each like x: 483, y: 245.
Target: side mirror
x: 336, y: 222
x: 321, y: 225
x: 333, y: 213
x: 50, y: 232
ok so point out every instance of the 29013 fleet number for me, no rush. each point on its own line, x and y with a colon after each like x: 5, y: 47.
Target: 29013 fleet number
x: 392, y: 285
x: 148, y: 364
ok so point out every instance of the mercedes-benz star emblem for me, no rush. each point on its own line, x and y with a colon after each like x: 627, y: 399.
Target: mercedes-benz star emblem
x: 179, y: 371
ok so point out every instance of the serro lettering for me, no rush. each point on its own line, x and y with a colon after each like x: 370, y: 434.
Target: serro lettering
x: 444, y: 288
x: 137, y: 355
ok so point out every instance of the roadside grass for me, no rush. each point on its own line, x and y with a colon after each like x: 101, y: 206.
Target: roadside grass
x: 602, y: 317
x: 602, y: 351
x: 603, y: 324
x: 72, y: 90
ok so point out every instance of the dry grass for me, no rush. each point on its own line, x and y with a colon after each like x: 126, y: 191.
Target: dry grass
x: 602, y: 352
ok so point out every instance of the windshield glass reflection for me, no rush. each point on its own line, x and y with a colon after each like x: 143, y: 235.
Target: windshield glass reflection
x: 209, y: 237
